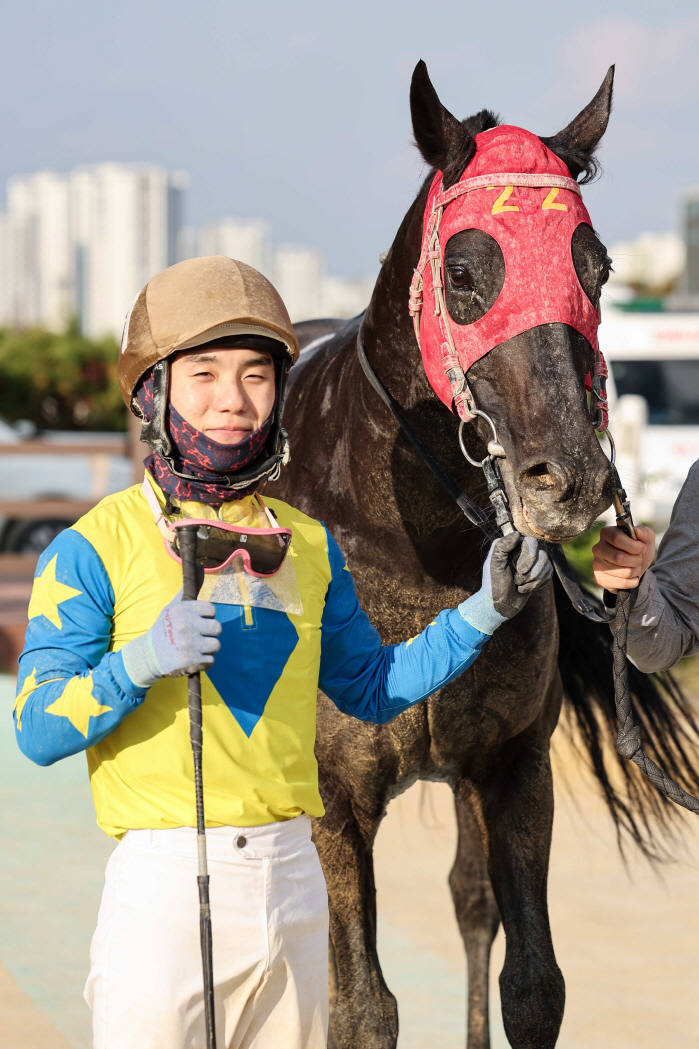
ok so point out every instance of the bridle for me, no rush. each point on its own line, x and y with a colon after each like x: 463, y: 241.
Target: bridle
x: 431, y: 254
x: 629, y: 743
x: 463, y: 400
x: 503, y: 524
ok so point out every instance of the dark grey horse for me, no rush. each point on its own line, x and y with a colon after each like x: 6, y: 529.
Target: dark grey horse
x: 411, y: 552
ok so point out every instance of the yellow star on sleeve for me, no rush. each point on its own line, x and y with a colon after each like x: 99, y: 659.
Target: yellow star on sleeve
x: 30, y: 685
x: 48, y: 594
x: 27, y: 689
x: 78, y: 704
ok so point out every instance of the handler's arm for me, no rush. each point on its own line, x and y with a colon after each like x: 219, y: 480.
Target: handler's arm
x: 664, y: 623
x: 376, y: 683
x: 71, y: 691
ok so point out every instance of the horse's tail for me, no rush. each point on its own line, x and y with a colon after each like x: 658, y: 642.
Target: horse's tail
x: 669, y: 727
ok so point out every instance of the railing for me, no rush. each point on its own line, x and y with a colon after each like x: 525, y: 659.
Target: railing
x: 116, y: 447
x: 17, y: 570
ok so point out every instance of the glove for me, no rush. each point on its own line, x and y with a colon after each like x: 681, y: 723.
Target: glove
x: 514, y: 567
x: 183, y: 639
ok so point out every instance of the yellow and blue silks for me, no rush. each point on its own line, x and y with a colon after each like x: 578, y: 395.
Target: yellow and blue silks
x: 104, y: 581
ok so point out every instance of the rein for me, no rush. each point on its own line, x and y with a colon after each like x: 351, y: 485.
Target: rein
x: 465, y: 503
x: 496, y: 492
x: 629, y: 743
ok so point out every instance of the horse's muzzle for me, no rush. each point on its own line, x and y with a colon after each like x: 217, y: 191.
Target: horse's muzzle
x: 557, y: 500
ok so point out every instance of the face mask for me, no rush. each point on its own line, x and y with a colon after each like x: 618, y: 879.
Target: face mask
x: 521, y: 194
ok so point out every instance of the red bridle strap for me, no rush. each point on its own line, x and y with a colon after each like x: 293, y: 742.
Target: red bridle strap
x: 529, y: 181
x: 431, y: 254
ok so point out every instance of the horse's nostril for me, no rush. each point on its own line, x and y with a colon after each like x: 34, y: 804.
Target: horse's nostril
x: 546, y: 477
x: 541, y: 476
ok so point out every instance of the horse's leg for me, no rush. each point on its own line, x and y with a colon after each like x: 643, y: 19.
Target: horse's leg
x: 364, y: 1013
x: 514, y: 811
x: 478, y: 918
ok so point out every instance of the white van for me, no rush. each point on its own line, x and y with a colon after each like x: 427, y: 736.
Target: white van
x: 656, y: 356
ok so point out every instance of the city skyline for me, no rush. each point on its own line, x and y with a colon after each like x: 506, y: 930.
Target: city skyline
x: 83, y: 243
x: 300, y: 114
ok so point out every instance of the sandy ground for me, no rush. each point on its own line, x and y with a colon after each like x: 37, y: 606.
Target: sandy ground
x: 23, y: 1024
x: 628, y: 943
x: 626, y: 940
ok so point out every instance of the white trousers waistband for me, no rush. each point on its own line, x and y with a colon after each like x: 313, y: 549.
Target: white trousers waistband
x: 270, y: 840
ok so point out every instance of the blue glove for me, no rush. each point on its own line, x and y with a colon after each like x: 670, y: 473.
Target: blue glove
x: 183, y: 639
x: 515, y: 566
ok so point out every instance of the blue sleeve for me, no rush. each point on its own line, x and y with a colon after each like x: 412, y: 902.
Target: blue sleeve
x: 374, y: 682
x: 71, y: 691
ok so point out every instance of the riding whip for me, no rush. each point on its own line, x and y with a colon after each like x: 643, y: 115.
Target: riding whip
x: 191, y: 578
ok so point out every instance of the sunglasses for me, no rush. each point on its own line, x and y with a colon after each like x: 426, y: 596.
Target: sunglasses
x: 262, y: 550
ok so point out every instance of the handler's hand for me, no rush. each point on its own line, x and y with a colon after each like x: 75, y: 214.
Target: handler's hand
x: 619, y: 561
x: 183, y: 639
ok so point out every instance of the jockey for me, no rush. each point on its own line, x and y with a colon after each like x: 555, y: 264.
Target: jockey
x: 204, y: 360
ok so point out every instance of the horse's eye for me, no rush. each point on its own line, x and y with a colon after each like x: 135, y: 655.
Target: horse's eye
x: 459, y: 276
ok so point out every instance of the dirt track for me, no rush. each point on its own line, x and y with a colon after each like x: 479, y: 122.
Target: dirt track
x: 629, y: 949
x: 628, y: 944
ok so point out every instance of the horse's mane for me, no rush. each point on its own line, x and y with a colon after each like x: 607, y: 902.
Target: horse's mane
x: 481, y: 121
x: 578, y: 161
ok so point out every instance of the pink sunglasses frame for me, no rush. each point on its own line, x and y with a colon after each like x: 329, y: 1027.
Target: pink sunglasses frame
x: 168, y: 530
x: 225, y: 527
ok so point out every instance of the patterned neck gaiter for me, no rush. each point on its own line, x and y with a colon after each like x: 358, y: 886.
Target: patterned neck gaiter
x: 196, y: 454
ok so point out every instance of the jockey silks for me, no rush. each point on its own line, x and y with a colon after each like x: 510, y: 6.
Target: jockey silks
x: 103, y: 583
x: 521, y: 194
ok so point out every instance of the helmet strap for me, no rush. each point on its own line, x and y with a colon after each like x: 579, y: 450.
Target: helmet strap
x: 154, y: 432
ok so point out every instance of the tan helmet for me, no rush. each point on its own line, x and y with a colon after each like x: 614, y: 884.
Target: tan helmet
x: 194, y: 302
x: 186, y: 305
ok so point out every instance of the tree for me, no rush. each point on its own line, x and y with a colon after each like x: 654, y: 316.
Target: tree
x: 60, y: 381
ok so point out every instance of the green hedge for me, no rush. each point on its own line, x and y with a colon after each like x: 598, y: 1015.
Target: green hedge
x: 60, y: 382
x: 579, y: 553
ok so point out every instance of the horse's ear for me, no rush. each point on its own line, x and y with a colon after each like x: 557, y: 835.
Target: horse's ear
x: 576, y: 144
x: 442, y: 139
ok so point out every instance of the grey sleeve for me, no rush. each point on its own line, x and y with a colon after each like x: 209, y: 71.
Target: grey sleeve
x: 664, y: 623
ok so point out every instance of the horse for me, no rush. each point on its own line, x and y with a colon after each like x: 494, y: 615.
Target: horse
x: 487, y: 734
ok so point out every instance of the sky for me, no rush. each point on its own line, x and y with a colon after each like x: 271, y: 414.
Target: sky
x: 296, y: 111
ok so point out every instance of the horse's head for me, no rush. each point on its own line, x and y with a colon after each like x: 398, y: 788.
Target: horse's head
x: 507, y: 295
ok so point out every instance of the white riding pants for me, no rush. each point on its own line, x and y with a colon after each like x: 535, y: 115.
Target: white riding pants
x: 269, y: 909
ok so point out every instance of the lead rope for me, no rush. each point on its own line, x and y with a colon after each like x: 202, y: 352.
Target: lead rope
x: 628, y: 744
x: 628, y: 741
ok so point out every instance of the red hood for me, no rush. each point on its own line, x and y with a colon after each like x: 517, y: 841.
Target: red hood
x: 520, y: 193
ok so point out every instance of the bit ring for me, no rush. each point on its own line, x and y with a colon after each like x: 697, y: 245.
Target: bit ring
x: 476, y: 411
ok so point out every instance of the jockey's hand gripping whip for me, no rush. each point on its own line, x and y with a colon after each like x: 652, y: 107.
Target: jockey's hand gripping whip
x: 192, y: 576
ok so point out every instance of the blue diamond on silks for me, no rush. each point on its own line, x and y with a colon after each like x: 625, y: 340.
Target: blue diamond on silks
x: 251, y: 660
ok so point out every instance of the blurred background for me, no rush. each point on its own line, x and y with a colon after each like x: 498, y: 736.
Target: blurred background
x: 135, y: 135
